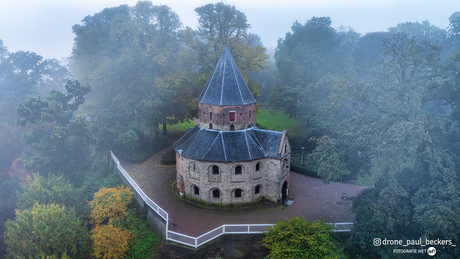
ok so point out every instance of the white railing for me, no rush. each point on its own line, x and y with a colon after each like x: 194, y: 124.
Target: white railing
x: 141, y: 193
x: 210, y: 235
x: 342, y: 227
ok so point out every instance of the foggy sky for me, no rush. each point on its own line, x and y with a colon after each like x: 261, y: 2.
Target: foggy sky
x: 45, y: 26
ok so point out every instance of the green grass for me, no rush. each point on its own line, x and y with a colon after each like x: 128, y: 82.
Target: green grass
x: 279, y: 121
x: 265, y: 119
x: 180, y: 127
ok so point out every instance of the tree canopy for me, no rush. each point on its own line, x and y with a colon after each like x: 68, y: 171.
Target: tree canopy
x: 51, y: 190
x: 60, y: 142
x: 47, y: 230
x: 298, y: 238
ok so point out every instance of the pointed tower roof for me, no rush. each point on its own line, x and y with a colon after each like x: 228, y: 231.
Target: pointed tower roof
x: 226, y: 86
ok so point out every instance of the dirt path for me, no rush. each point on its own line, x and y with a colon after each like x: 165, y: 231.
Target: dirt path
x: 312, y: 199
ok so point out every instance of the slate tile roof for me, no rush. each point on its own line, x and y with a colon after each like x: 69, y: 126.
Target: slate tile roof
x: 228, y: 146
x: 226, y: 86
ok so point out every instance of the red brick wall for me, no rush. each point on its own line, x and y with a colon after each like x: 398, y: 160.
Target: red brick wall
x: 245, y: 116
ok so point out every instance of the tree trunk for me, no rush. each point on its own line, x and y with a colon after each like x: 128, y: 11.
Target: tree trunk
x: 165, y: 132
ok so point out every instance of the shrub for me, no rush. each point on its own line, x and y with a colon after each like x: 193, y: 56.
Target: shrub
x: 298, y: 238
x: 146, y: 150
x: 169, y: 158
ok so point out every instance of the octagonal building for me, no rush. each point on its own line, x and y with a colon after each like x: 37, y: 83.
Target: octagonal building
x: 225, y: 158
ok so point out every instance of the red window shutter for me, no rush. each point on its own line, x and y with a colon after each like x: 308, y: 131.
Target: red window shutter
x: 232, y: 116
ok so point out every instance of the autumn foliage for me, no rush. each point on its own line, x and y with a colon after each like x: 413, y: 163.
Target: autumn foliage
x: 110, y: 241
x: 109, y: 204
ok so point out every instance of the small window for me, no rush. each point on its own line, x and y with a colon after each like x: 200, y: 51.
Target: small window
x: 257, y: 190
x: 196, y: 190
x: 232, y: 127
x: 249, y: 113
x: 215, y: 170
x: 257, y: 167
x: 210, y: 116
x: 215, y: 194
x: 210, y: 125
x: 232, y: 116
x: 238, y: 193
x: 238, y: 170
x: 285, y: 148
x: 194, y: 167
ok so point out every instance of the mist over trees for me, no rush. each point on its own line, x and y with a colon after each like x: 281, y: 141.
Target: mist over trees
x: 380, y: 109
x: 387, y: 115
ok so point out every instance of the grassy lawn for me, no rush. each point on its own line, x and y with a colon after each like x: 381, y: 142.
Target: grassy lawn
x: 180, y: 127
x: 280, y: 121
x: 265, y: 119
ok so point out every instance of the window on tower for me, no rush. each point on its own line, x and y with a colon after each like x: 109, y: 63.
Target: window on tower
x: 232, y: 116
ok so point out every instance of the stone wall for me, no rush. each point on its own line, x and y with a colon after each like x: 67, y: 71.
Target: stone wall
x: 245, y: 116
x: 199, y: 179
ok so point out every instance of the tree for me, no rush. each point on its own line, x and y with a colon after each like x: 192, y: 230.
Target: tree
x: 129, y: 54
x: 411, y: 203
x: 51, y: 190
x: 307, y: 54
x: 298, y: 238
x: 325, y: 160
x: 393, y: 119
x: 110, y: 241
x: 454, y: 31
x: 60, y: 142
x: 109, y: 204
x: 223, y: 25
x: 24, y: 74
x: 47, y: 230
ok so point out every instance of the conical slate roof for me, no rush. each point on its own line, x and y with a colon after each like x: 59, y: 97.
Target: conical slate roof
x: 226, y: 86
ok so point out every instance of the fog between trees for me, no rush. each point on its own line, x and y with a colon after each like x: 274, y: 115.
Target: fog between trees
x: 380, y: 108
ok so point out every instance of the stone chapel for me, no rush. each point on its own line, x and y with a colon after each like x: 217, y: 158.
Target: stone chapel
x: 225, y: 158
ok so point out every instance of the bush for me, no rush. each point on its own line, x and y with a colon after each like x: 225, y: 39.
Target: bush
x: 146, y: 150
x: 169, y: 158
x: 144, y: 238
x: 298, y: 238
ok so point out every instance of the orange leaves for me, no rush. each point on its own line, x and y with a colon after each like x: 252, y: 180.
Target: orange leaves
x: 110, y: 241
x: 110, y: 203
x: 107, y: 205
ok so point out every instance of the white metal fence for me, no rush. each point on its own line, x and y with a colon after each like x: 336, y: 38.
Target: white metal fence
x: 210, y: 235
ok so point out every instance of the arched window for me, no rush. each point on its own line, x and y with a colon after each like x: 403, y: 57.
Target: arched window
x: 257, y: 189
x: 215, y: 194
x: 215, y: 169
x: 210, y: 125
x: 196, y: 190
x: 232, y: 127
x: 238, y: 170
x: 257, y: 167
x: 238, y: 193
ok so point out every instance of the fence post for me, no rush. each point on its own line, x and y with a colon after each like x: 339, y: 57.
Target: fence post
x: 223, y: 229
